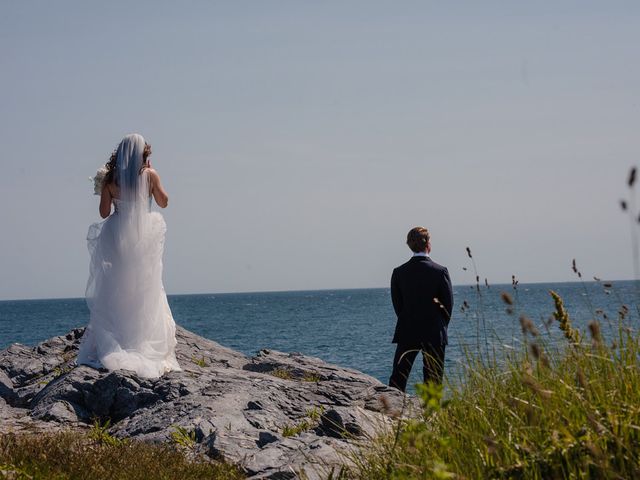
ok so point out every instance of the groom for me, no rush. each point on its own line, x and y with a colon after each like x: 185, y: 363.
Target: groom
x: 422, y: 299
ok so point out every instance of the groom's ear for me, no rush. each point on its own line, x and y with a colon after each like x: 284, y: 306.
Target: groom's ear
x: 429, y: 246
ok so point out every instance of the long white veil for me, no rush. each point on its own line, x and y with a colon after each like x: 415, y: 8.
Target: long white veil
x: 129, y: 162
x: 131, y: 326
x: 133, y: 186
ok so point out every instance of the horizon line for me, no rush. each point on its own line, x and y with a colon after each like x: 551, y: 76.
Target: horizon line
x: 459, y: 285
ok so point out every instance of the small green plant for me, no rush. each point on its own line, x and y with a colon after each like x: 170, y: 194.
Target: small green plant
x: 293, y: 430
x: 183, y: 437
x: 59, y: 371
x: 201, y: 362
x: 341, y: 473
x: 282, y: 373
x: 311, y: 377
x: 311, y: 420
x: 100, y: 433
x: 68, y: 356
x: 430, y: 395
x: 315, y: 413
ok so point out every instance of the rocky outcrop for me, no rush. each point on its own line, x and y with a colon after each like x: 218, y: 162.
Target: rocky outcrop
x: 274, y: 414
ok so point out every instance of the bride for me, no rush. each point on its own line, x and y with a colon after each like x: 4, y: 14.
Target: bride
x: 130, y: 326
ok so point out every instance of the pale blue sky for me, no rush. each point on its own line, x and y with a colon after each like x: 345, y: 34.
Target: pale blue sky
x: 299, y: 141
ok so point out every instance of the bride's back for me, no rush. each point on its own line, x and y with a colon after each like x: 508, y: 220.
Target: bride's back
x: 149, y: 186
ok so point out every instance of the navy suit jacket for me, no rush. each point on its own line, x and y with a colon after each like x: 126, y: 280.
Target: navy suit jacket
x: 414, y: 285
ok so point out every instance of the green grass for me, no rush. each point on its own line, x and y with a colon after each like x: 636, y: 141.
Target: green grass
x: 570, y: 411
x: 311, y: 420
x: 74, y: 455
x: 296, y: 429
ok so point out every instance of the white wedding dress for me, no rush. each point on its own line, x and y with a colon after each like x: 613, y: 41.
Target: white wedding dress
x: 130, y: 326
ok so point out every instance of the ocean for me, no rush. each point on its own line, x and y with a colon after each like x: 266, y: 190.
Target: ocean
x: 352, y: 328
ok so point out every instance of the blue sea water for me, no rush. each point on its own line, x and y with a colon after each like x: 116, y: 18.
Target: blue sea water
x: 351, y: 328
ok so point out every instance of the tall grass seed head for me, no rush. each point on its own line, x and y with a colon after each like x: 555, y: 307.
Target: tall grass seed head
x: 632, y: 177
x: 594, y: 330
x: 527, y: 326
x: 506, y: 298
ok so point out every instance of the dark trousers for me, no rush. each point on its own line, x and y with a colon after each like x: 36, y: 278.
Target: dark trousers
x: 432, y: 363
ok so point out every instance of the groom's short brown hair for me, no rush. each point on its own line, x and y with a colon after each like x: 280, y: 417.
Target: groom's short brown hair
x: 417, y: 239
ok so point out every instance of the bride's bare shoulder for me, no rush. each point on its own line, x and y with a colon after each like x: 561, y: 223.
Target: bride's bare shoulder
x: 153, y: 173
x: 157, y: 190
x: 112, y: 188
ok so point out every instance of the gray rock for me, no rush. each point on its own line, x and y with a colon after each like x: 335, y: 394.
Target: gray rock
x: 60, y: 412
x: 277, y: 415
x: 7, y: 392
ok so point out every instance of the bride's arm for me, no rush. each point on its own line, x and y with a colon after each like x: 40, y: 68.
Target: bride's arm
x: 158, y: 192
x: 105, y: 202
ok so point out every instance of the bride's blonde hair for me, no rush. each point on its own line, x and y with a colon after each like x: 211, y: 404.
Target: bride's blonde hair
x: 111, y: 164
